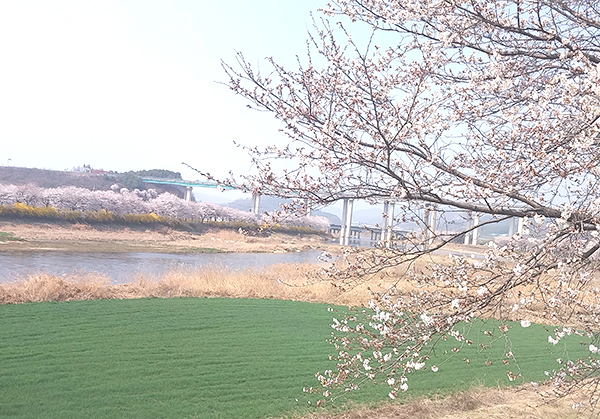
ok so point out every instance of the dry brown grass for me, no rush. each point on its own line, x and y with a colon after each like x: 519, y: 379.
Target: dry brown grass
x: 208, y: 282
x: 477, y: 403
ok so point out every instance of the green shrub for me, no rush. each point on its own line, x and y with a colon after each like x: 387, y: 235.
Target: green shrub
x: 46, y: 212
x: 150, y: 218
x: 101, y: 216
x: 70, y: 215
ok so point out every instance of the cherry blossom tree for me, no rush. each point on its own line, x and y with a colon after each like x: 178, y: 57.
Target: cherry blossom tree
x: 28, y: 194
x: 238, y: 215
x: 169, y: 205
x: 8, y: 194
x: 316, y: 223
x: 69, y: 198
x: 483, y: 107
x: 122, y: 201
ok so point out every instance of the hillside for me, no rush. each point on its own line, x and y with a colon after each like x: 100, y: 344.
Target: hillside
x: 93, y: 181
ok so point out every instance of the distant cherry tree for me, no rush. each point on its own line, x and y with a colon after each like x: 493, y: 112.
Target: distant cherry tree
x: 238, y: 215
x: 316, y: 223
x: 29, y: 194
x: 8, y: 194
x: 169, y: 205
x: 122, y: 201
x: 477, y: 107
x: 68, y: 197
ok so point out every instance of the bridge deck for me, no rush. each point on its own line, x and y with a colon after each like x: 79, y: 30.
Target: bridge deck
x: 188, y: 183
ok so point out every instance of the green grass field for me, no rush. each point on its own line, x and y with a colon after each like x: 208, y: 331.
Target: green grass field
x: 9, y: 237
x: 207, y: 358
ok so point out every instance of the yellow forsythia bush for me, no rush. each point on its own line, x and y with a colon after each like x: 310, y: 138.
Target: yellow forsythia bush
x: 23, y: 210
x: 47, y: 212
x: 102, y: 216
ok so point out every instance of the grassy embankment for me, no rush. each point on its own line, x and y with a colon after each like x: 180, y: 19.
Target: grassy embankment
x: 207, y: 358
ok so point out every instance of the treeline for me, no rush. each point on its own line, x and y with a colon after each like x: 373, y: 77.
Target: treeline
x: 133, y: 179
x: 137, y: 206
x: 157, y: 173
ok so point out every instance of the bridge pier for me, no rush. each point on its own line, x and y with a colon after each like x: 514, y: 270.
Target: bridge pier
x: 307, y: 207
x: 387, y: 223
x: 471, y: 237
x: 188, y: 193
x: 255, y: 203
x: 515, y: 225
x: 375, y: 235
x: 348, y: 205
x: 429, y: 220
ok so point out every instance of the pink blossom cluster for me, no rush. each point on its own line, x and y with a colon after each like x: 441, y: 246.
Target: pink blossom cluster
x: 122, y: 201
x: 445, y: 107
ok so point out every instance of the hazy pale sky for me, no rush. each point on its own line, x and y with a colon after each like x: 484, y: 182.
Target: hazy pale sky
x: 131, y: 84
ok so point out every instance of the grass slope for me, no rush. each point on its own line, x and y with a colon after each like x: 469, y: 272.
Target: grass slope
x: 208, y: 358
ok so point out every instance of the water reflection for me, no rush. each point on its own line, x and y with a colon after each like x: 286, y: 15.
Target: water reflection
x: 124, y: 267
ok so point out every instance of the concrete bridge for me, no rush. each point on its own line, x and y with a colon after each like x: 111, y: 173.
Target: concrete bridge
x: 375, y: 232
x: 385, y: 233
x: 190, y: 184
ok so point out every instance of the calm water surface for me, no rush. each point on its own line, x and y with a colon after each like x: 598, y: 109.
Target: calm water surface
x: 125, y: 267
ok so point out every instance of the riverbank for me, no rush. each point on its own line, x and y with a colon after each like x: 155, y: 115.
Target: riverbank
x: 160, y: 239
x: 260, y: 283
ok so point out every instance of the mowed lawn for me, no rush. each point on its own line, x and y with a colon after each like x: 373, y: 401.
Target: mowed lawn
x: 210, y: 358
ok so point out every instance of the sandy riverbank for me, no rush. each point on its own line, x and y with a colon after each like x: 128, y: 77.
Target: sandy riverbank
x: 82, y: 237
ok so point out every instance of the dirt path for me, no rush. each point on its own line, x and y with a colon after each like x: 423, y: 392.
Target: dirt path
x: 479, y: 403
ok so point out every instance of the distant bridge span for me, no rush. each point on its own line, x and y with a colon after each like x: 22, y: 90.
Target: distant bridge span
x: 189, y: 184
x: 346, y: 230
x: 375, y: 232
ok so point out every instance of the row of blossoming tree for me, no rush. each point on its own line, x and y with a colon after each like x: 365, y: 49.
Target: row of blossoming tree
x: 123, y: 201
x: 483, y: 106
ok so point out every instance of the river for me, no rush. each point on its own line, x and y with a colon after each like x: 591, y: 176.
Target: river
x: 125, y: 267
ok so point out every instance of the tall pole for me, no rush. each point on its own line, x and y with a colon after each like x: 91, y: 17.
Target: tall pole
x: 388, y: 223
x: 349, y: 221
x: 346, y: 222
x: 520, y: 225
